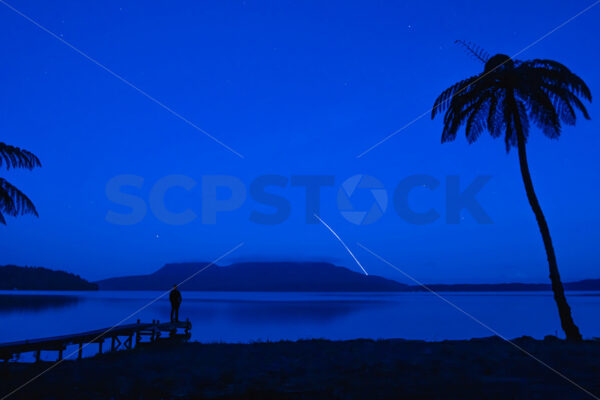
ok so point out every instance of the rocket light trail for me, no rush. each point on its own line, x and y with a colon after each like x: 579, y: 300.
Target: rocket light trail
x: 343, y: 244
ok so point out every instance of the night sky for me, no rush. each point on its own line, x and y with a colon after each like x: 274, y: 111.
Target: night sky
x: 297, y: 88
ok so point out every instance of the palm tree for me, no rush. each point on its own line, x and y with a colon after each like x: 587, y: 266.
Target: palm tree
x: 12, y: 201
x: 504, y: 99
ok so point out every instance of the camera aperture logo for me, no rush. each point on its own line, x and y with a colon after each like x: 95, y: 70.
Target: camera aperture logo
x: 366, y: 183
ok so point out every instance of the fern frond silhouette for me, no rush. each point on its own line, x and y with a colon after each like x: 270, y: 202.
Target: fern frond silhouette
x: 13, y: 202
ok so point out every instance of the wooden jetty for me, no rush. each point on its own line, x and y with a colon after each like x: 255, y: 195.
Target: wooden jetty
x: 121, y: 337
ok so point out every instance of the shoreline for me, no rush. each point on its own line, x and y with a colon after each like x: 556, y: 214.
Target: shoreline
x: 354, y: 369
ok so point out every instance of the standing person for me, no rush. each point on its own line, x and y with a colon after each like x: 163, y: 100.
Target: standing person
x: 175, y: 297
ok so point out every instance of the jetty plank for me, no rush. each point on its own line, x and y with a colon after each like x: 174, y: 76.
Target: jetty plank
x: 59, y: 343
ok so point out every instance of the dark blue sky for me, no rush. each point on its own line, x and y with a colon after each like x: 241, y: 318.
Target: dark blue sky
x: 297, y: 88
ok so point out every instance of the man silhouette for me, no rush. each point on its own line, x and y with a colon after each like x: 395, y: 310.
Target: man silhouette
x: 175, y: 297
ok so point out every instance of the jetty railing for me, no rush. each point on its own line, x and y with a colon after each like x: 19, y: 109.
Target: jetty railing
x: 121, y: 337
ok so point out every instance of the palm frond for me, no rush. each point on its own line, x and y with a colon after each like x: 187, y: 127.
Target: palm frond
x: 542, y: 111
x: 443, y: 100
x: 452, y: 121
x: 474, y: 50
x: 556, y: 73
x: 476, y: 122
x: 13, y: 202
x: 16, y: 157
x: 562, y: 94
x: 495, y: 120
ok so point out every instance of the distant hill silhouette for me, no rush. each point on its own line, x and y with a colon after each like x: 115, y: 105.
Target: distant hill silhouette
x: 38, y: 278
x: 300, y: 277
x: 256, y: 276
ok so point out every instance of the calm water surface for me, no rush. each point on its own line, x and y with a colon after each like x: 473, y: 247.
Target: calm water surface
x: 245, y: 317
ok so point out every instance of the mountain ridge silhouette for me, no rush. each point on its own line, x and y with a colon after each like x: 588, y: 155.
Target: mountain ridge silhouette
x: 300, y: 277
x: 254, y: 276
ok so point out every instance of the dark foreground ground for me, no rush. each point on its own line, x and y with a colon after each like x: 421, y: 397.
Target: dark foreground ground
x: 360, y: 369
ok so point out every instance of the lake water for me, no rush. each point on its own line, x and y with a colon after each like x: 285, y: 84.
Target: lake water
x: 245, y: 317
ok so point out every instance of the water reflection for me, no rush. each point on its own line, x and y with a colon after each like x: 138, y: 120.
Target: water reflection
x: 243, y: 317
x: 257, y: 311
x: 36, y: 303
x: 288, y: 311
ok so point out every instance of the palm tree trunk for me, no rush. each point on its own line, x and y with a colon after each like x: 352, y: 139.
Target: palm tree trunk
x: 564, y: 311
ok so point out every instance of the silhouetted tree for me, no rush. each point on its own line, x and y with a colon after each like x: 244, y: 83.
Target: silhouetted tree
x: 503, y: 99
x: 12, y: 201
